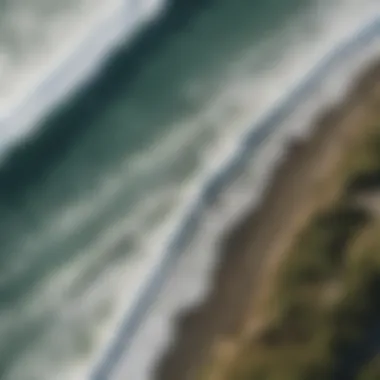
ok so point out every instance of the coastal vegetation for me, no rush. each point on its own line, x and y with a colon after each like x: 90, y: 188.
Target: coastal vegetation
x: 322, y: 314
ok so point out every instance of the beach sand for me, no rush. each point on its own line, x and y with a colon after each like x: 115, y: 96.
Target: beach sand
x: 252, y: 250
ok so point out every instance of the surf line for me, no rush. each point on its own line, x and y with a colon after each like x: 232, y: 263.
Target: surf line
x: 260, y: 130
x: 76, y: 68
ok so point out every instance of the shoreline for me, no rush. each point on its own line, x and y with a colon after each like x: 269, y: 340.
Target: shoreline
x: 225, y: 310
x: 22, y: 178
x: 264, y: 127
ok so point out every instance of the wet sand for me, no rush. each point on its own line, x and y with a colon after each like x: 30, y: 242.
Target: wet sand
x: 252, y: 249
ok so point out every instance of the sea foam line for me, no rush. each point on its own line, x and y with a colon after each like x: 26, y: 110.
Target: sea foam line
x: 76, y: 68
x: 263, y: 128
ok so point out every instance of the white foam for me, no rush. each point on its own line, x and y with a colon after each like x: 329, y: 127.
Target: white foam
x: 29, y: 88
x: 156, y: 334
x: 238, y: 92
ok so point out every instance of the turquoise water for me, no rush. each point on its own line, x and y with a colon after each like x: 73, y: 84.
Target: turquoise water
x: 89, y: 200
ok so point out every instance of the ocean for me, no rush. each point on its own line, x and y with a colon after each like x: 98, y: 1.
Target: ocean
x: 114, y: 116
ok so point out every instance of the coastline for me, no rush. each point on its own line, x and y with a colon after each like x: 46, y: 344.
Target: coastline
x: 19, y: 197
x: 261, y: 130
x: 291, y: 197
x: 69, y: 224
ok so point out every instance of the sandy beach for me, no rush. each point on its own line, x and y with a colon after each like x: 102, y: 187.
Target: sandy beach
x: 252, y: 250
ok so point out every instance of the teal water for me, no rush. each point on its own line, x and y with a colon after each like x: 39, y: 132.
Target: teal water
x: 88, y: 202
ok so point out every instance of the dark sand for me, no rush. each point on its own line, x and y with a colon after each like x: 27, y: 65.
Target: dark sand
x: 251, y: 251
